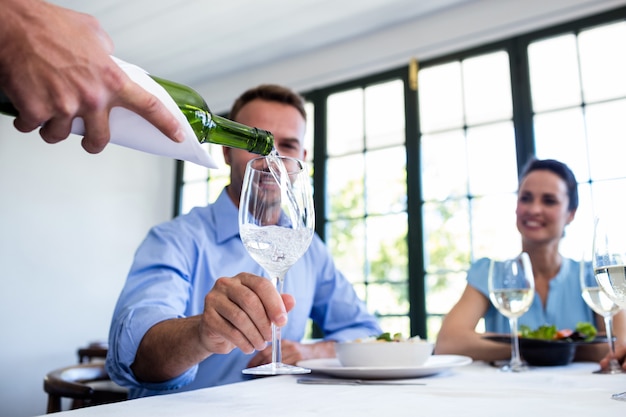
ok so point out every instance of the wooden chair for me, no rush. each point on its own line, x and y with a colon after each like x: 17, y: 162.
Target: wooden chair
x: 86, y: 384
x: 94, y: 350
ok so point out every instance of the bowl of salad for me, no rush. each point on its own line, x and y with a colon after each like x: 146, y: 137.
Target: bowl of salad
x: 385, y: 350
x: 549, y: 346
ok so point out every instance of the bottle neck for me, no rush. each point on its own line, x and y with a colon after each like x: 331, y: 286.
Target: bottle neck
x: 209, y: 127
x: 229, y: 133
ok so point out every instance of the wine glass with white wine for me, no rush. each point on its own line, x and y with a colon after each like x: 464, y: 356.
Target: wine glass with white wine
x: 609, y: 262
x: 599, y: 301
x: 512, y: 290
x: 276, y: 224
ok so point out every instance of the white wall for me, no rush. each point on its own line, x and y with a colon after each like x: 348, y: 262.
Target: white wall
x: 69, y: 224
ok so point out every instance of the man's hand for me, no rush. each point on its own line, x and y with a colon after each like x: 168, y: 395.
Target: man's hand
x: 55, y: 65
x: 239, y: 311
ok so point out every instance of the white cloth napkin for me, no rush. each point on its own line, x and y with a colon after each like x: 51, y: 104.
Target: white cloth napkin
x: 133, y: 131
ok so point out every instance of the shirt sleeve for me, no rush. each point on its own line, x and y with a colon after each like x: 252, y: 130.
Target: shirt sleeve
x: 157, y: 289
x: 477, y: 275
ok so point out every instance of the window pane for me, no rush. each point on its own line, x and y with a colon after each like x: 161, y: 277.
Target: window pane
x: 440, y: 98
x: 561, y: 135
x: 346, y: 239
x: 603, y: 62
x: 217, y: 153
x: 384, y: 114
x: 194, y: 172
x: 385, y: 180
x: 446, y: 235
x: 608, y: 196
x: 433, y: 324
x: 361, y: 292
x: 395, y: 325
x: 554, y: 73
x: 387, y: 248
x: 386, y: 299
x: 195, y: 194
x: 443, y: 291
x: 345, y: 122
x: 487, y: 88
x: 216, y: 186
x: 492, y: 160
x: 345, y: 186
x: 579, y: 233
x: 606, y: 130
x: 444, y: 165
x: 494, y: 233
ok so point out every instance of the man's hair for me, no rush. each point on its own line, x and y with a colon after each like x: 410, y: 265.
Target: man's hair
x: 269, y: 92
x: 561, y: 170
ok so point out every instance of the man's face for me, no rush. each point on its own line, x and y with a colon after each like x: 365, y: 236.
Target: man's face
x: 286, y: 124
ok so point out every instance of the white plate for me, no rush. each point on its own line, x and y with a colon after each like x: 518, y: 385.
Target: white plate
x: 434, y: 365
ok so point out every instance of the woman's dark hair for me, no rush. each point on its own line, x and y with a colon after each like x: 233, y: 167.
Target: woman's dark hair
x: 560, y: 169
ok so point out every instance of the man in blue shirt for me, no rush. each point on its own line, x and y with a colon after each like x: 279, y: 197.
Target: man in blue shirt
x: 196, y: 310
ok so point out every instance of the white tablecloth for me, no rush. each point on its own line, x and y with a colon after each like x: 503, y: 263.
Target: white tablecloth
x: 474, y: 390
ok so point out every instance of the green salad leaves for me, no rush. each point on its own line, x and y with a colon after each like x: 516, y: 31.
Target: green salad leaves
x: 386, y: 337
x: 584, y: 331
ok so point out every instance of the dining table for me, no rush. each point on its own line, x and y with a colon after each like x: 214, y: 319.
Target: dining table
x: 475, y: 389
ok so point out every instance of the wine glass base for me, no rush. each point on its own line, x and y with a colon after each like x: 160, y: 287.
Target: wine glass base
x: 276, y: 369
x: 619, y: 397
x: 609, y: 372
x: 519, y: 367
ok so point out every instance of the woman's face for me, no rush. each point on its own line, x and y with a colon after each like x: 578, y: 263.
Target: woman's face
x: 542, y: 207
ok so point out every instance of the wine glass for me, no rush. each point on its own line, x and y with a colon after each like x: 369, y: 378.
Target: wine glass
x: 276, y: 224
x: 598, y: 300
x: 512, y: 290
x: 609, y: 263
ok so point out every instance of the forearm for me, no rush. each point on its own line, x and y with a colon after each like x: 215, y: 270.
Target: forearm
x: 168, y: 349
x: 591, y: 353
x: 473, y: 345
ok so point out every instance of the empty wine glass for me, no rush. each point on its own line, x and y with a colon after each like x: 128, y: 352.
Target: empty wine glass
x: 511, y: 290
x: 598, y: 300
x: 609, y: 262
x: 276, y: 224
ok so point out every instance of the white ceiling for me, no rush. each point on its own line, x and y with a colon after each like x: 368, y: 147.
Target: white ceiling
x: 223, y: 47
x: 196, y: 41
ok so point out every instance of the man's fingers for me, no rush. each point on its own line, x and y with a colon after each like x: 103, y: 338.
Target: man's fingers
x: 97, y: 133
x: 289, y: 301
x: 227, y: 336
x: 273, y: 302
x: 55, y: 130
x: 153, y: 110
x: 241, y: 308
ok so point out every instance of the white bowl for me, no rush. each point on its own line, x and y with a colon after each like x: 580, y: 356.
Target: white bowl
x: 378, y: 354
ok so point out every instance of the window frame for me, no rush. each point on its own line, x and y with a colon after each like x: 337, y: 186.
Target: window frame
x: 516, y: 47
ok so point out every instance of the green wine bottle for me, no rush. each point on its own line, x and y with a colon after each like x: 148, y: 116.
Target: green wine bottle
x: 207, y: 126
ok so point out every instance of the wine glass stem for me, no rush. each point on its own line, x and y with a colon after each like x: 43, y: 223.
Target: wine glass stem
x: 516, y: 360
x: 608, y: 324
x: 276, y: 351
x: 276, y: 348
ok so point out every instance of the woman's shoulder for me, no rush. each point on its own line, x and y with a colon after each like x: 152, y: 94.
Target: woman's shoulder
x: 478, y: 273
x: 481, y: 263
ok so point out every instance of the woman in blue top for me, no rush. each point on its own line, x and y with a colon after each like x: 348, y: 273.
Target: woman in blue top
x: 546, y: 203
